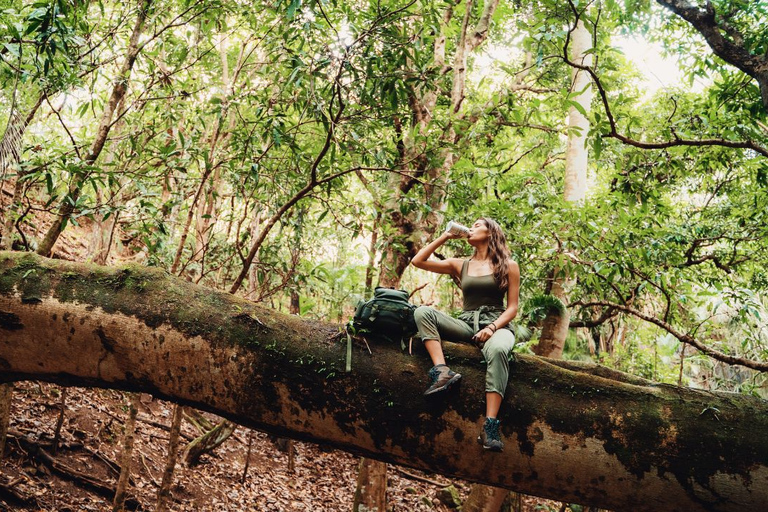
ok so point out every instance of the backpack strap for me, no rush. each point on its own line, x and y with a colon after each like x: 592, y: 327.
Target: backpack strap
x: 348, y: 367
x: 349, y: 352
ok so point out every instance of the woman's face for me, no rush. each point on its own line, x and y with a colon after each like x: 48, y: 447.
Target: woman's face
x: 478, y: 232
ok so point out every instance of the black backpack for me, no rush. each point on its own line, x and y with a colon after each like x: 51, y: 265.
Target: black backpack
x: 387, y: 317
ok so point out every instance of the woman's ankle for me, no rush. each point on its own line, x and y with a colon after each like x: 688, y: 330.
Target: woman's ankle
x: 435, y: 351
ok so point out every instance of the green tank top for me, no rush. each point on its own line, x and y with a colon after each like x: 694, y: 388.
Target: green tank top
x: 481, y: 291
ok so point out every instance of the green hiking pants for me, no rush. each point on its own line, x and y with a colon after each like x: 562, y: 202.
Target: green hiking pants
x: 435, y: 325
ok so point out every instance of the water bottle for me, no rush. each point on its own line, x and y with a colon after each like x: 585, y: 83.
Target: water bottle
x: 457, y: 229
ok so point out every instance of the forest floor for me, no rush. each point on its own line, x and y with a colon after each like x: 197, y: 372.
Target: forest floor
x: 91, y: 434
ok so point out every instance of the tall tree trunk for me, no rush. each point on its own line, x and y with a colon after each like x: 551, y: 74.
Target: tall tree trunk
x: 578, y: 125
x: 118, y: 504
x: 164, y: 493
x: 103, y: 230
x: 118, y: 92
x: 649, y: 447
x: 555, y: 328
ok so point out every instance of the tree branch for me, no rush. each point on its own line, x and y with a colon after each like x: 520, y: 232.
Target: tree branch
x: 614, y: 133
x: 685, y: 338
x: 704, y: 20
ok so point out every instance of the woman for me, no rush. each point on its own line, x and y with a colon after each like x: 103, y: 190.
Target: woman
x: 486, y: 278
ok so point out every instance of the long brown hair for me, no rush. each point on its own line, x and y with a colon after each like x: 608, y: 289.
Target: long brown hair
x: 498, y: 252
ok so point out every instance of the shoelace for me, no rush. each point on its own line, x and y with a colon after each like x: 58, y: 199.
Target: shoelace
x: 434, y: 375
x: 492, y: 430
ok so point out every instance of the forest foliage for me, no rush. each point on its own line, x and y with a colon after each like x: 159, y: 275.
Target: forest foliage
x: 281, y: 144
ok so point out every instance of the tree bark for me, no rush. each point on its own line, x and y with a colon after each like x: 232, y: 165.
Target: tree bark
x: 555, y: 327
x: 649, y: 447
x: 164, y: 493
x: 6, y: 398
x: 575, y: 186
x: 371, y: 492
x: 118, y: 503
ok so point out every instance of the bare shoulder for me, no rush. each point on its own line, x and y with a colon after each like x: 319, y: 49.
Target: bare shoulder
x: 513, y: 266
x: 456, y: 264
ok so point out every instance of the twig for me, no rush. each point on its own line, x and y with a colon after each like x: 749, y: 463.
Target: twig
x: 146, y: 468
x: 417, y: 289
x: 421, y: 478
x: 247, y: 457
x: 154, y: 423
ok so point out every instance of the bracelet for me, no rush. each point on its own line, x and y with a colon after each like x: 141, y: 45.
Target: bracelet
x: 494, y: 326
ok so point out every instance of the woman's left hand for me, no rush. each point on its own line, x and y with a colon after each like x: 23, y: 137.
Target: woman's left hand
x: 483, y: 335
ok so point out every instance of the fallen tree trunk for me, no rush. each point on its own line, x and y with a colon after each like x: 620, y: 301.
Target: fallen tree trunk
x: 572, y: 433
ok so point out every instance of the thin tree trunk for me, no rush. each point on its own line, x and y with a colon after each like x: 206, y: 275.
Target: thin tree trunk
x: 371, y: 492
x: 555, y: 328
x: 253, y: 270
x: 164, y: 493
x: 369, y: 269
x: 101, y: 241
x: 60, y: 420
x: 6, y: 397
x: 188, y: 222
x: 118, y: 504
x: 118, y: 92
x: 247, y: 457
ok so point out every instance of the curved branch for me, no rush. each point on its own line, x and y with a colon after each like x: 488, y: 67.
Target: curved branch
x: 614, y: 133
x: 704, y: 20
x: 685, y: 338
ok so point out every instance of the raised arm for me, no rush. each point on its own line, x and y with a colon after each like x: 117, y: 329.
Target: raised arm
x: 448, y: 266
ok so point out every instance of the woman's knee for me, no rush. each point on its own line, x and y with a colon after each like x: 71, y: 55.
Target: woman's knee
x: 423, y: 313
x: 499, y: 345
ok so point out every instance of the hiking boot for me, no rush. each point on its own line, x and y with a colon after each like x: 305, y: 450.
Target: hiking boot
x: 441, y: 378
x: 490, y: 437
